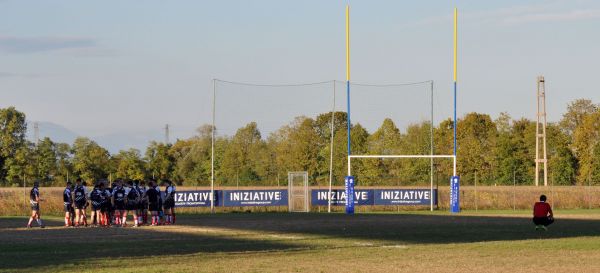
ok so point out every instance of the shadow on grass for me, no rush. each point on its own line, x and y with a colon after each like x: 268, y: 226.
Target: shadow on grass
x: 404, y: 228
x: 22, y: 248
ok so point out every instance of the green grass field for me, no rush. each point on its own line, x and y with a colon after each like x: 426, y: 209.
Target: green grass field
x: 490, y: 241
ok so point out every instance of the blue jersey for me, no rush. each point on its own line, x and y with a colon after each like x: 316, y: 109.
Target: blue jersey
x: 34, y: 194
x: 67, y: 196
x: 80, y: 194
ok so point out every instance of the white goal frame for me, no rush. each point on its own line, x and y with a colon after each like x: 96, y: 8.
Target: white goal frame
x: 453, y: 157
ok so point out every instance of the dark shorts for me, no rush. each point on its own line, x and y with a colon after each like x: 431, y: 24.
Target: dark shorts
x: 105, y: 207
x: 143, y: 205
x: 35, y: 207
x: 169, y: 204
x: 544, y: 221
x: 132, y: 205
x: 153, y: 207
x: 96, y: 205
x: 119, y: 205
x: 80, y: 205
x: 68, y: 208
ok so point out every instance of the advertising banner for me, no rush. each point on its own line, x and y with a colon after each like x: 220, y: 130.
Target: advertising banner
x: 404, y: 197
x: 338, y: 197
x: 244, y: 198
x: 199, y: 198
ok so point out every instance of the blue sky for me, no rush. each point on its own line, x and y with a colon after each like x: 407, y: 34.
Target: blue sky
x: 128, y: 67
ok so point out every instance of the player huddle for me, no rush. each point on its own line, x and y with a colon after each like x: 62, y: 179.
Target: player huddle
x: 112, y: 204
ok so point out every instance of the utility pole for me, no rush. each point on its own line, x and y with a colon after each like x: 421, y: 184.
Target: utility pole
x: 36, y: 133
x: 540, y: 132
x: 166, y: 134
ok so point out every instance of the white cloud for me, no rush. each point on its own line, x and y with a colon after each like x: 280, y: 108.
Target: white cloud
x: 13, y: 44
x: 553, y: 17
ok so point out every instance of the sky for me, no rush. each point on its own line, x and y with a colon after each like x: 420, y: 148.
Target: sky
x: 118, y: 71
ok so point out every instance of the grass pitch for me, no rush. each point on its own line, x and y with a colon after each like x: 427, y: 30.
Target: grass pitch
x: 492, y: 241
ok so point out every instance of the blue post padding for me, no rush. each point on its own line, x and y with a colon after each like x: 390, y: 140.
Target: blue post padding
x: 349, y: 185
x: 455, y: 194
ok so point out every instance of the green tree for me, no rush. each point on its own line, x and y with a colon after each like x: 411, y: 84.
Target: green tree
x: 562, y: 164
x: 129, y: 165
x: 585, y: 138
x: 160, y: 162
x: 476, y: 136
x: 12, y: 140
x: 576, y: 112
x: 90, y: 160
x: 64, y: 168
x: 21, y: 166
x: 385, y: 141
x: 45, y: 160
x: 245, y: 157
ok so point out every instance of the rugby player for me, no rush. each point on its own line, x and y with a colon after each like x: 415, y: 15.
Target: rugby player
x: 118, y: 198
x: 87, y: 196
x: 153, y: 202
x: 109, y: 206
x: 105, y: 206
x: 132, y: 203
x: 68, y: 202
x: 80, y: 199
x: 96, y: 198
x: 34, y: 200
x: 169, y: 204
x: 143, y: 204
x: 161, y: 198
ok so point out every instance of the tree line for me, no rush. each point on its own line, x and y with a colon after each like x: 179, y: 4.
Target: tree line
x: 497, y: 151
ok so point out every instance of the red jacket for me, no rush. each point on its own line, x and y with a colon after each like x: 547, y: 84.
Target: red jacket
x: 541, y: 209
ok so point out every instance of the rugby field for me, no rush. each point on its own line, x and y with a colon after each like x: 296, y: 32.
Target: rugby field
x: 492, y: 241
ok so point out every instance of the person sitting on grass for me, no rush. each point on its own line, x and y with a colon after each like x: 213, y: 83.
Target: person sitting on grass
x: 542, y: 214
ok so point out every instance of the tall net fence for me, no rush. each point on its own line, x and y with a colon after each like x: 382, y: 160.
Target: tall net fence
x: 265, y: 131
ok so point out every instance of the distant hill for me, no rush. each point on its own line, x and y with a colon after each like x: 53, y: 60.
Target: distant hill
x: 56, y: 132
x: 112, y: 142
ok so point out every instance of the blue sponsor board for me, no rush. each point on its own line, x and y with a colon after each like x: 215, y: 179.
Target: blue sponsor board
x: 245, y: 198
x: 349, y: 186
x: 338, y: 197
x: 404, y: 197
x: 195, y: 198
x: 454, y: 194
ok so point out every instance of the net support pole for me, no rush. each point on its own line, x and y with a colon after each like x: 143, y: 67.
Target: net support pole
x: 431, y: 151
x: 331, y: 151
x: 212, y: 151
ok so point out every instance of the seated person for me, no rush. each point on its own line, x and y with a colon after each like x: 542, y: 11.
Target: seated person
x: 542, y: 214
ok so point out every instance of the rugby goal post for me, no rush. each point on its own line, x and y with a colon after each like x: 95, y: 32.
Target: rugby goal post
x: 453, y: 157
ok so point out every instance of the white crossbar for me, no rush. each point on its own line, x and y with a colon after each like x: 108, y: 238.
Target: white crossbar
x: 401, y: 156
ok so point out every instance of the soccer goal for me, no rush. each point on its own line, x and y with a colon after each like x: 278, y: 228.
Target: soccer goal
x: 298, y: 192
